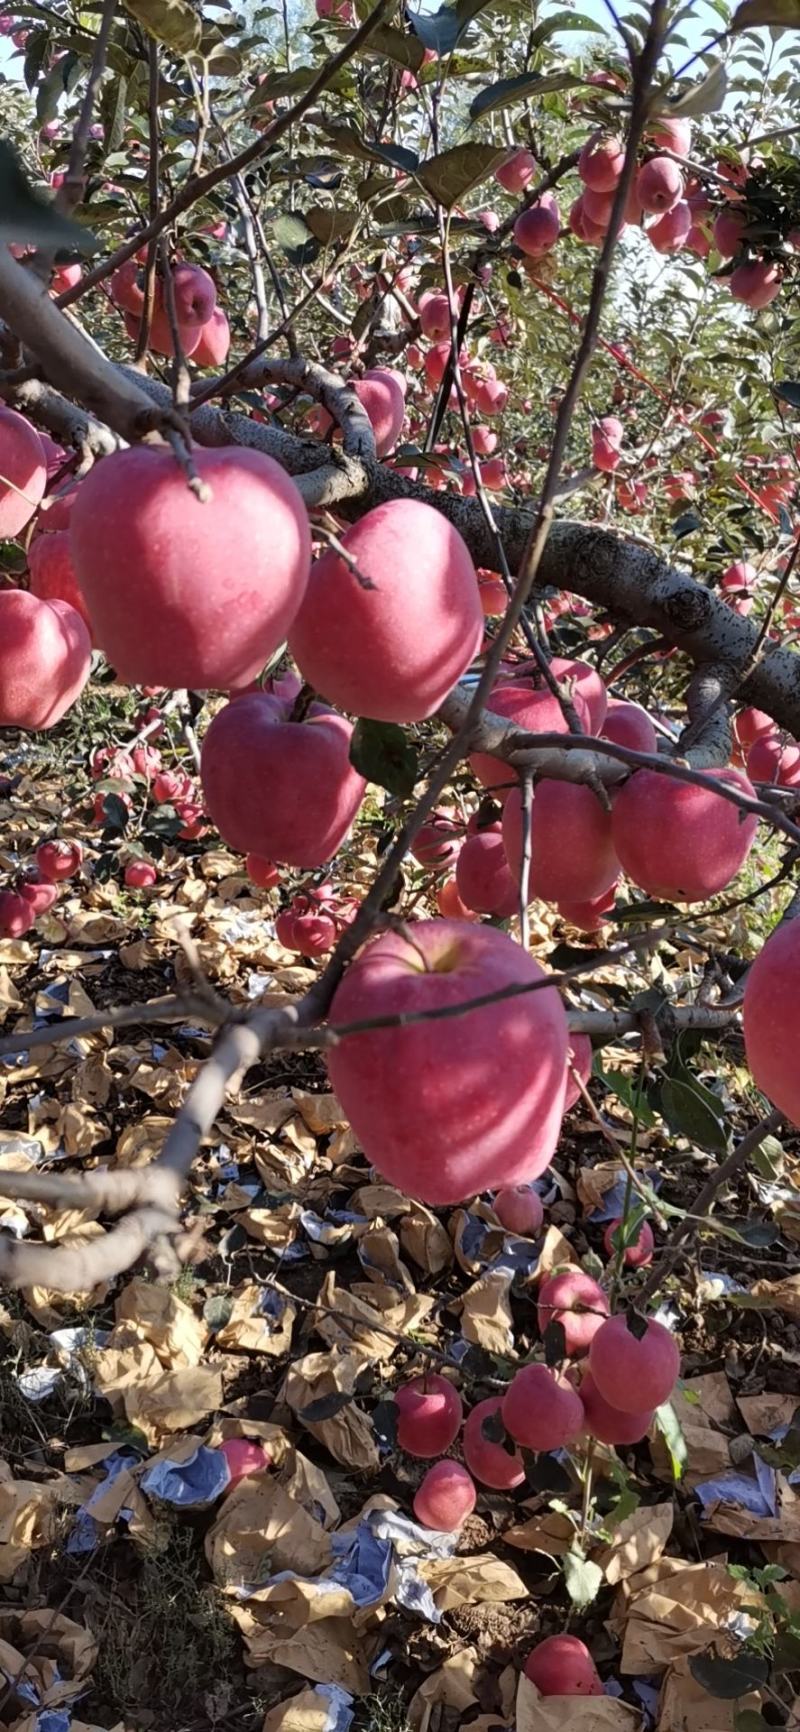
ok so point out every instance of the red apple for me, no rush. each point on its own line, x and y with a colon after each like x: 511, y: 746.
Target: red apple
x: 578, y: 1303
x: 45, y: 657
x: 203, y: 593
x: 490, y: 1462
x: 353, y: 643
x: 633, y: 1372
x: 456, y: 1105
x: 445, y: 1497
x: 429, y: 1414
x: 284, y: 790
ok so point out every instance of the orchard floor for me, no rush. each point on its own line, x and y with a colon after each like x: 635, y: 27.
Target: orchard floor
x: 281, y: 1201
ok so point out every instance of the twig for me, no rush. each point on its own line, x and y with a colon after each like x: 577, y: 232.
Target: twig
x: 70, y: 193
x: 686, y: 1229
x: 198, y: 187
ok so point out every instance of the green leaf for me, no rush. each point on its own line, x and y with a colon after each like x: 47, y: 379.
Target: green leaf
x: 729, y: 1679
x: 709, y: 95
x: 350, y: 142
x: 688, y: 1114
x: 442, y: 30
x: 383, y: 754
x: 559, y: 21
x: 583, y: 1579
x: 173, y: 22
x: 217, y: 1310
x: 554, y: 1341
x: 24, y: 216
x: 626, y: 1090
x: 786, y: 1654
x: 329, y: 223
x: 751, y: 14
x: 396, y: 45
x: 668, y: 1424
x: 509, y: 90
x: 36, y: 49
x: 749, y: 1720
x: 112, y: 110
x: 53, y: 87
x: 449, y: 177
x: 295, y: 239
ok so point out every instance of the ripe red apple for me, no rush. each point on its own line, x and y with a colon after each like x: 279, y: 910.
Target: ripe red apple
x: 597, y: 206
x: 678, y: 841
x: 728, y: 232
x: 541, y: 1410
x: 607, y: 437
x: 244, y: 1456
x: 483, y: 879
x: 513, y: 176
x: 202, y: 593
x: 39, y: 893
x: 519, y: 1209
x: 672, y: 133
x: 308, y: 931
x: 493, y: 594
x: 775, y: 759
x: 771, y: 1021
x: 434, y: 317
x: 581, y: 224
x: 572, y: 848
x: 195, y: 293
x: 588, y: 916
x: 578, y: 1303
x: 23, y: 472
x: 140, y: 874
x: 215, y: 340
x: 629, y: 725
x: 672, y: 230
x: 490, y: 1463
x: 262, y: 872
x: 353, y: 644
x: 484, y: 439
x: 756, y: 283
x: 601, y: 162
x: 639, y: 1253
x: 634, y: 1373
x: 659, y: 185
x: 456, y: 1105
x: 563, y: 1666
x: 750, y: 725
x: 59, y: 860
x: 284, y: 790
x: 160, y: 339
x: 537, y: 229
x: 16, y: 914
x: 52, y: 574
x: 445, y: 1497
x: 45, y: 657
x: 449, y: 902
x: 437, y: 842
x: 429, y: 1414
x: 583, y: 684
x: 608, y: 1424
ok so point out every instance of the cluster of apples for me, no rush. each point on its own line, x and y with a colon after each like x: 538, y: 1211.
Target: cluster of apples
x: 166, y: 787
x: 313, y: 919
x: 669, y: 200
x: 202, y: 325
x: 579, y: 849
x: 541, y: 1410
x: 771, y: 755
x: 35, y: 890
